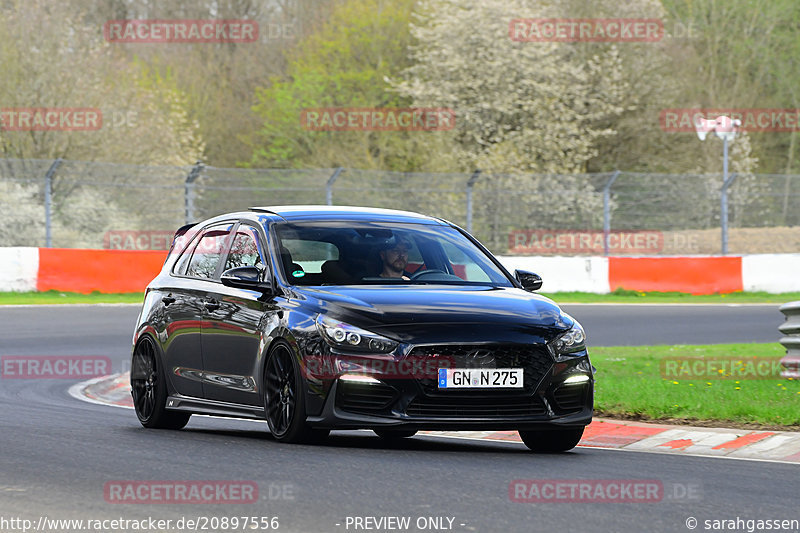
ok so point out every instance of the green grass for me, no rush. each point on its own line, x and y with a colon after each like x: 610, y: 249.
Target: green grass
x: 618, y: 296
x: 624, y: 296
x: 56, y: 297
x: 630, y: 384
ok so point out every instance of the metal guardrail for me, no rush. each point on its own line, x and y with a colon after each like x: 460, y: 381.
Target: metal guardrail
x: 791, y: 339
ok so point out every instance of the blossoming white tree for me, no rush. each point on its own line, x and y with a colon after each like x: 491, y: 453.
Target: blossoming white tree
x: 529, y: 114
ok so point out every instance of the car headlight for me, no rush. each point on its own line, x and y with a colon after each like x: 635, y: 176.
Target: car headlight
x: 346, y: 337
x: 574, y: 340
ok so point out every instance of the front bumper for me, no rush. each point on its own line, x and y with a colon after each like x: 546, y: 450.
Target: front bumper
x: 546, y: 402
x: 333, y: 417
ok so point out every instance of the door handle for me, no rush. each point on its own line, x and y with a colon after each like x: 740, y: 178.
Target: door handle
x: 166, y: 300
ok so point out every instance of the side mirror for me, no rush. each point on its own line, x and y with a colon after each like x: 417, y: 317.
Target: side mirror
x: 246, y: 277
x: 528, y: 280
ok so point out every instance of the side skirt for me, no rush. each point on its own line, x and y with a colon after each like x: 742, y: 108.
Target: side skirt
x: 214, y: 407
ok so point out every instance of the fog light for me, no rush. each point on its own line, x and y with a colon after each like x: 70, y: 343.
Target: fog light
x: 579, y: 378
x: 360, y: 378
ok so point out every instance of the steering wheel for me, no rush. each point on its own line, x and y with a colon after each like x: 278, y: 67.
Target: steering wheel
x: 418, y: 274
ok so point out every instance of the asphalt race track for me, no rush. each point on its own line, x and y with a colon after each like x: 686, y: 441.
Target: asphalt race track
x: 48, y: 328
x: 643, y: 324
x: 59, y: 452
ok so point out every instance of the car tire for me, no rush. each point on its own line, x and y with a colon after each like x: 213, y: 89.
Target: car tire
x: 149, y: 389
x: 551, y: 441
x: 284, y: 398
x: 395, y: 434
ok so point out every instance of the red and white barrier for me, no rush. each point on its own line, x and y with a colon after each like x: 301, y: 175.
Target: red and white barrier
x: 19, y: 269
x: 771, y: 272
x: 774, y: 273
x: 562, y: 274
x: 74, y: 270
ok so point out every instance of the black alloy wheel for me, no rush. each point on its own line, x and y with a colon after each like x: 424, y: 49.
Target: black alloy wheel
x: 149, y: 390
x: 284, y: 401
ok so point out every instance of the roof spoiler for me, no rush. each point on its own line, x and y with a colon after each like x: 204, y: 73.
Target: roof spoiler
x: 182, y: 231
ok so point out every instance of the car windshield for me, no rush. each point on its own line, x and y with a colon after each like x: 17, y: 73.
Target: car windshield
x: 353, y: 253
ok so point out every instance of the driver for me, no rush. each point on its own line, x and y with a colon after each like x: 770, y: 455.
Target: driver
x: 394, y: 256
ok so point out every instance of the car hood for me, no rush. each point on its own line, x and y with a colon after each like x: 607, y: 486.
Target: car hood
x: 439, y: 313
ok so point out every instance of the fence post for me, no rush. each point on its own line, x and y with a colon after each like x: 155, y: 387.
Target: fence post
x: 329, y: 185
x: 723, y: 211
x: 607, y: 209
x: 48, y: 203
x: 188, y: 191
x: 791, y: 340
x: 470, y: 185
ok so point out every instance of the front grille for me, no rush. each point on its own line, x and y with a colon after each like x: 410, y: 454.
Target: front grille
x: 534, y: 359
x: 367, y: 398
x: 475, y: 407
x: 570, y: 397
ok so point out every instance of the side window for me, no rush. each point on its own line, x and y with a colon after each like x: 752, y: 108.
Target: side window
x: 245, y: 249
x: 208, y: 252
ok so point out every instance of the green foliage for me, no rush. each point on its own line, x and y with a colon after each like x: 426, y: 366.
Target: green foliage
x: 241, y: 102
x: 740, y: 54
x: 54, y: 57
x: 344, y: 64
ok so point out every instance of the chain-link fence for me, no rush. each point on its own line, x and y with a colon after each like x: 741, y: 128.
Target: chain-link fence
x: 72, y: 204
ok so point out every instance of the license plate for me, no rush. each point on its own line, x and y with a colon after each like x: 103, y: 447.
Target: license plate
x: 480, y: 378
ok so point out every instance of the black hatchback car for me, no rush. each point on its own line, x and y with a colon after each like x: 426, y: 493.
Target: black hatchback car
x: 318, y: 318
